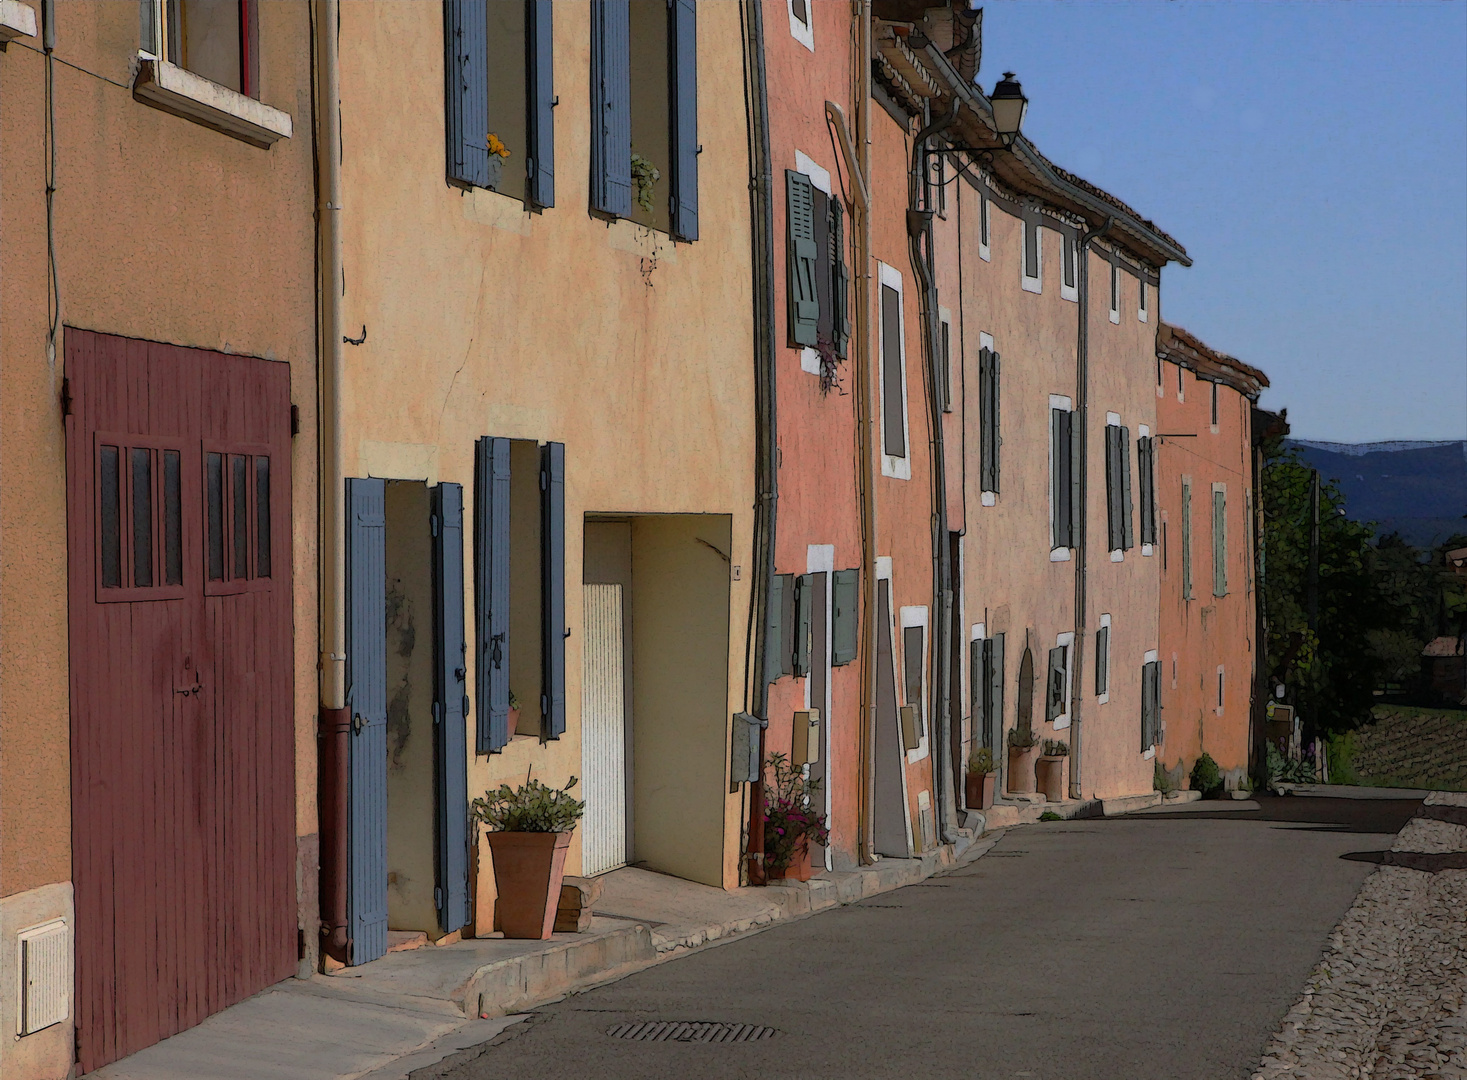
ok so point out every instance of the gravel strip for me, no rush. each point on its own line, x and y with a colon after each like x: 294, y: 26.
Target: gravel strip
x: 1386, y: 1002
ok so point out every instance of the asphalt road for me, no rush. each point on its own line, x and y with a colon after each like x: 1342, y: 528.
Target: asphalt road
x: 1162, y: 946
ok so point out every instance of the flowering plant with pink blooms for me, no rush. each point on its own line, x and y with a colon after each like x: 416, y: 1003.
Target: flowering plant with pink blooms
x: 790, y: 814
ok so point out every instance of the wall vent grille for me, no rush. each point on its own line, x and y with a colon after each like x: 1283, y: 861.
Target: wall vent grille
x: 45, y: 976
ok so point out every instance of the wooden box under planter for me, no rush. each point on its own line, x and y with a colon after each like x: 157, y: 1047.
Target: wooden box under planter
x: 528, y: 871
x: 978, y: 790
x: 1050, y: 773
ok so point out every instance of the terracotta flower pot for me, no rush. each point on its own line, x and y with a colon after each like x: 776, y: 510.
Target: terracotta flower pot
x: 799, y: 867
x: 978, y: 790
x: 514, y: 721
x: 528, y: 868
x: 1050, y: 772
x: 1021, y: 773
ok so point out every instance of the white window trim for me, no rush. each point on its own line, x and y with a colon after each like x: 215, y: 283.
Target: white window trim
x: 819, y: 178
x: 1142, y: 314
x: 1069, y: 292
x: 1115, y: 293
x: 1056, y: 401
x: 1222, y: 687
x: 1143, y: 431
x: 179, y: 91
x: 916, y: 615
x: 801, y: 32
x: 899, y: 468
x: 820, y: 559
x: 1151, y: 657
x: 1211, y: 427
x: 986, y: 498
x: 955, y: 359
x: 1033, y: 284
x: 1181, y: 378
x: 1062, y: 721
x: 16, y: 20
x: 985, y: 225
x: 883, y: 573
x: 1104, y: 699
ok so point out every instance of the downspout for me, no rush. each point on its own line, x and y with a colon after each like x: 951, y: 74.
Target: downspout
x: 1082, y: 408
x: 766, y: 439
x: 919, y: 226
x: 334, y: 731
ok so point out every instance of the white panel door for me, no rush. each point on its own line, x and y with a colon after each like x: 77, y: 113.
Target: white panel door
x: 603, y: 732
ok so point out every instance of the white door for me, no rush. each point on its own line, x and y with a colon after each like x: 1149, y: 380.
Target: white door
x: 603, y: 732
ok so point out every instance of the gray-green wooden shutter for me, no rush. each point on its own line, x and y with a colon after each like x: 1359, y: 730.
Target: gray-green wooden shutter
x: 995, y: 692
x: 1113, y: 495
x: 552, y: 588
x: 977, y: 689
x: 683, y: 36
x: 611, y: 118
x: 1150, y: 705
x: 1102, y: 661
x: 893, y: 418
x: 840, y: 279
x: 1146, y: 476
x: 366, y: 698
x: 491, y: 594
x: 540, y: 26
x: 1123, y: 457
x: 1054, y: 692
x: 844, y: 623
x: 988, y: 419
x: 804, y: 614
x: 773, y: 622
x: 450, y: 706
x: 1219, y: 543
x: 804, y: 301
x: 1187, y: 539
x: 1063, y: 481
x: 466, y: 90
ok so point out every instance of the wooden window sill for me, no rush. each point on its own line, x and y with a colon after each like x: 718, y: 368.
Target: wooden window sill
x: 174, y: 90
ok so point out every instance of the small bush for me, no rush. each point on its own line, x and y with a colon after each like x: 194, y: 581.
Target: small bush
x: 532, y: 807
x: 1207, y: 777
x: 1050, y: 815
x: 980, y: 762
x: 1282, y: 770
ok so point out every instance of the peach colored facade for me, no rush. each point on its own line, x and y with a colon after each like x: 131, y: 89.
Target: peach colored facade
x: 1204, y: 404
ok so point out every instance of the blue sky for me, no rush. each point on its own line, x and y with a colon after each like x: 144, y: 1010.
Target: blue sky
x: 1312, y: 159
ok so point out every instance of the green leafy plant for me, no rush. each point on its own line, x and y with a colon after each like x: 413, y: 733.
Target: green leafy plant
x: 789, y: 813
x: 980, y: 762
x: 1022, y: 739
x: 644, y: 175
x: 1050, y: 815
x: 1056, y: 748
x: 514, y: 702
x: 1161, y: 780
x: 1282, y: 770
x: 1206, y: 776
x: 531, y: 807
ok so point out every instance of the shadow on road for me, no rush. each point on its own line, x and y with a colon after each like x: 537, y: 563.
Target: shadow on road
x: 1293, y: 811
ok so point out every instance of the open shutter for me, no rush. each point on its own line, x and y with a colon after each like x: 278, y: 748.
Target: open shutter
x: 466, y: 90
x: 995, y: 692
x: 840, y: 279
x: 1062, y: 476
x: 552, y: 588
x: 804, y: 614
x: 1054, y: 694
x: 366, y: 680
x: 1114, y: 530
x: 774, y: 646
x: 804, y: 302
x: 682, y: 33
x: 540, y: 167
x: 1123, y: 457
x: 1147, y: 479
x: 844, y: 625
x: 491, y: 594
x: 1219, y: 543
x: 450, y: 706
x: 611, y: 120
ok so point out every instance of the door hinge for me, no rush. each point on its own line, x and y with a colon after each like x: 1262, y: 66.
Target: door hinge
x: 295, y: 420
x: 65, y: 397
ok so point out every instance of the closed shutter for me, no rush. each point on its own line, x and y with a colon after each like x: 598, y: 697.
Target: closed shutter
x: 466, y: 90
x: 1102, y: 661
x: 1113, y: 487
x: 1146, y: 476
x: 611, y: 120
x: 683, y: 32
x: 1062, y: 476
x: 541, y: 163
x: 804, y: 613
x: 1219, y: 543
x: 804, y: 302
x: 840, y: 279
x: 994, y: 703
x: 977, y: 689
x: 450, y: 706
x: 1186, y: 539
x: 774, y: 646
x: 845, y: 625
x: 491, y: 594
x: 366, y: 680
x: 552, y: 589
x: 988, y: 419
x: 1123, y: 456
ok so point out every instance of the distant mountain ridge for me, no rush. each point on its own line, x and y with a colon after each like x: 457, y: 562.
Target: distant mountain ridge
x: 1416, y: 488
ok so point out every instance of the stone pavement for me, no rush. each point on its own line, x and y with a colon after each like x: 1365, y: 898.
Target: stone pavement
x: 1386, y: 1002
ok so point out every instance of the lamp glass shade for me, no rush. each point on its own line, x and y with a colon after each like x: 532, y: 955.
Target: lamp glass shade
x: 1009, y: 105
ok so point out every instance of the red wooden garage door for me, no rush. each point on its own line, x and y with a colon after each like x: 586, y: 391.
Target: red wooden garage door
x: 182, y: 764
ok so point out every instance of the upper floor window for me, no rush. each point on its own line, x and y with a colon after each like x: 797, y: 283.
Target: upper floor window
x: 989, y: 439
x: 1213, y: 422
x: 1141, y: 310
x: 985, y: 225
x: 1115, y: 293
x: 894, y: 459
x: 802, y: 27
x: 644, y: 113
x: 1033, y: 268
x: 1118, y: 486
x: 500, y: 122
x: 816, y: 277
x: 945, y: 333
x: 1219, y: 540
x: 1064, y: 484
x: 1069, y: 287
x: 217, y: 40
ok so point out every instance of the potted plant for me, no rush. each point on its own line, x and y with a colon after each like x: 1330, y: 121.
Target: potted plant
x: 1050, y: 769
x: 791, y: 822
x: 1022, y: 742
x: 529, y: 831
x: 978, y: 790
x: 514, y: 712
x: 497, y: 153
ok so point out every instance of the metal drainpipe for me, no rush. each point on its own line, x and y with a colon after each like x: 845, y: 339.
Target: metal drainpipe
x: 334, y: 731
x: 1082, y: 407
x: 761, y: 206
x: 919, y: 225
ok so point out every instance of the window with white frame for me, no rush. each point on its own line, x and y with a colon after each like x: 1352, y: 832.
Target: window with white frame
x: 1219, y: 540
x: 1115, y: 292
x: 1221, y: 679
x: 945, y: 346
x: 1032, y: 270
x: 1181, y: 392
x: 1102, y: 661
x: 217, y: 40
x: 1070, y: 270
x: 1142, y: 314
x: 802, y: 22
x: 914, y: 675
x: 1064, y: 486
x: 894, y: 459
x: 1057, y: 683
x: 989, y: 416
x: 1153, y: 730
x: 985, y: 225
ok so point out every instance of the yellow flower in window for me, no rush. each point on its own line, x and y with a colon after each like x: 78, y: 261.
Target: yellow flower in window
x: 497, y: 147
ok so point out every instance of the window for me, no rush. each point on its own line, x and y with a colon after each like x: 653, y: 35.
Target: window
x: 985, y: 224
x: 817, y: 280
x: 802, y: 27
x: 1118, y: 486
x: 1069, y: 288
x: 217, y: 40
x: 1057, y: 684
x: 644, y: 101
x: 140, y: 521
x: 989, y: 366
x: 893, y: 379
x: 1115, y: 292
x: 945, y: 328
x: 237, y: 519
x: 1186, y: 538
x: 1146, y: 479
x: 1213, y: 388
x: 913, y: 667
x: 1219, y: 540
x: 1151, y: 727
x: 1220, y: 681
x: 1064, y: 487
x: 1164, y: 554
x: 942, y: 185
x: 1102, y: 661
x: 1032, y: 279
x: 500, y: 106
x: 844, y: 625
x: 1141, y: 312
x: 1180, y: 371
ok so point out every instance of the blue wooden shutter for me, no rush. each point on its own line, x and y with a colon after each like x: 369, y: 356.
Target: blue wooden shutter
x: 552, y: 590
x: 774, y: 646
x: 804, y: 300
x: 366, y: 680
x: 541, y: 92
x: 450, y: 706
x: 466, y: 90
x: 1077, y: 508
x: 987, y: 420
x: 1123, y: 456
x: 682, y: 34
x: 844, y: 624
x: 611, y: 117
x: 491, y: 594
x: 1150, y: 705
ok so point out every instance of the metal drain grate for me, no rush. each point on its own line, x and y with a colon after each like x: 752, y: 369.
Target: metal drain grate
x: 695, y: 1032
